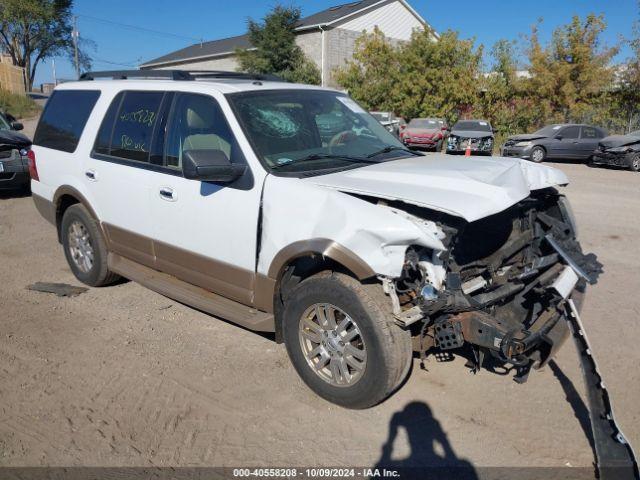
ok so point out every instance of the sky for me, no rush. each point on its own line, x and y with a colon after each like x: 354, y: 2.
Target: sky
x: 186, y: 22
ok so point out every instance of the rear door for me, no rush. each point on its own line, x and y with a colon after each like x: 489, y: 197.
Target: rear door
x: 567, y: 145
x: 121, y: 169
x: 206, y: 233
x: 589, y: 139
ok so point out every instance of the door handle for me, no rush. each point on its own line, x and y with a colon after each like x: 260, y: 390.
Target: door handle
x: 167, y: 194
x: 91, y: 175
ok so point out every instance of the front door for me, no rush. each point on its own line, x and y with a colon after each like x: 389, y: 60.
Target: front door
x: 205, y: 233
x: 566, y: 144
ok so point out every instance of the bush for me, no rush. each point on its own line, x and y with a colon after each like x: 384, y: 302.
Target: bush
x: 20, y: 106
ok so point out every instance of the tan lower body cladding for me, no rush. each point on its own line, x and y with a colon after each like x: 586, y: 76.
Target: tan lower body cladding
x: 234, y: 283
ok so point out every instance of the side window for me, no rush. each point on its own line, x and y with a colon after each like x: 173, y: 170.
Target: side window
x: 571, y: 132
x: 134, y: 125
x: 590, y: 133
x: 198, y: 123
x: 64, y: 119
x: 103, y: 140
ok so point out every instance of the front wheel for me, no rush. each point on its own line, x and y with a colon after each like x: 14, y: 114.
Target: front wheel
x: 538, y: 154
x: 343, y: 342
x: 635, y: 163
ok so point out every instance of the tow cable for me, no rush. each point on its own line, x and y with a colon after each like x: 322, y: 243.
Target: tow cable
x: 615, y: 458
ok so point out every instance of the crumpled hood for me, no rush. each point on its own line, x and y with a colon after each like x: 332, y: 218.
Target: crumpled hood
x: 618, y: 141
x: 471, y: 188
x: 471, y: 133
x: 11, y: 139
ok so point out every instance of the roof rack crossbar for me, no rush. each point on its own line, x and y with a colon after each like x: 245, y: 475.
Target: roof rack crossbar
x: 177, y: 75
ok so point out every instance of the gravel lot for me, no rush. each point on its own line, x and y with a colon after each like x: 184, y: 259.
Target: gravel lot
x: 121, y: 376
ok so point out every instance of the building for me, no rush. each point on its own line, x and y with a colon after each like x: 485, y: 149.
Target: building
x: 327, y: 37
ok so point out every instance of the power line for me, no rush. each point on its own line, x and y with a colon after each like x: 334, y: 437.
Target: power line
x: 140, y: 29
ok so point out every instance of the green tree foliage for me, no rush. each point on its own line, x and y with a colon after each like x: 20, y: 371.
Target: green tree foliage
x: 572, y: 72
x: 275, y: 49
x: 423, y: 77
x: 34, y: 30
x: 625, y: 98
x: 569, y: 78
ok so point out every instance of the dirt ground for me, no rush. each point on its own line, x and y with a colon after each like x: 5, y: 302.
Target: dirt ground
x: 121, y: 376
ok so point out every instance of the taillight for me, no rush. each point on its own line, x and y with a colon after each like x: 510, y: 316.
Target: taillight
x: 33, y: 168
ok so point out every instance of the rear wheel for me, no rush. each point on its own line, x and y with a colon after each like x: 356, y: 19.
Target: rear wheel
x: 343, y: 342
x: 85, y: 248
x: 538, y: 154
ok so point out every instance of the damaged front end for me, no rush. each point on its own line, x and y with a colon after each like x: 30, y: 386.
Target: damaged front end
x: 499, y: 287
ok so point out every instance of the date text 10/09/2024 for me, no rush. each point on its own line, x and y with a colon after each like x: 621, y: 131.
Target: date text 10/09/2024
x: 315, y: 473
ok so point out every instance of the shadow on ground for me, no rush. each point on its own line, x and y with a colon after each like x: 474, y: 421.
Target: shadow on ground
x: 431, y: 453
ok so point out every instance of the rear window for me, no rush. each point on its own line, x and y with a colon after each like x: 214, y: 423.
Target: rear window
x: 64, y: 118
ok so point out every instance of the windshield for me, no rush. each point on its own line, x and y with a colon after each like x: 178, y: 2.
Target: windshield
x: 635, y: 134
x: 312, y: 130
x: 548, y: 131
x: 473, y: 126
x: 427, y: 123
x: 4, y: 125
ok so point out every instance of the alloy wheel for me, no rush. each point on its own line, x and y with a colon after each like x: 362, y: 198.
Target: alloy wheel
x: 332, y: 344
x: 80, y: 247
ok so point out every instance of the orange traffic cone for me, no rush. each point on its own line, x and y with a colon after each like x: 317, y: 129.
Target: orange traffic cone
x: 467, y: 152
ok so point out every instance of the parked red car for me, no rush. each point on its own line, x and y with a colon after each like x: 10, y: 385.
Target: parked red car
x: 427, y: 133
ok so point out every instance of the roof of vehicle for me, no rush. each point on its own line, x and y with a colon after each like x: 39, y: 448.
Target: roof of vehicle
x: 221, y: 84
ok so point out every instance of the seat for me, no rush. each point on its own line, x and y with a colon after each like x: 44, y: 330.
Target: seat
x: 204, y: 128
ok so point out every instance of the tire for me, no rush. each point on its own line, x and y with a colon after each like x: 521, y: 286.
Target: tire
x: 388, y: 348
x: 538, y: 154
x: 77, y: 218
x: 635, y: 163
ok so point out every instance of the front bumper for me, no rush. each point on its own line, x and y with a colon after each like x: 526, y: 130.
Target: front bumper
x: 478, y: 146
x: 614, y: 159
x: 516, y: 152
x: 14, y: 170
x: 420, y: 142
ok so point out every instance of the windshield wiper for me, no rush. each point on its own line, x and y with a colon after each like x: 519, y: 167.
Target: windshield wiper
x: 320, y: 156
x: 392, y: 149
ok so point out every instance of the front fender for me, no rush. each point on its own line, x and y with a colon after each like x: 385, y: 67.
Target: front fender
x: 295, y: 211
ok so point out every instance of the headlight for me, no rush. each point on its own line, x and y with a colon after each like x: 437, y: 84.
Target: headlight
x: 523, y: 144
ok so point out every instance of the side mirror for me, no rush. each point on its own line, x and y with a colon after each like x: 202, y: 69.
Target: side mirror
x: 558, y: 137
x: 16, y: 126
x: 402, y: 127
x: 210, y: 166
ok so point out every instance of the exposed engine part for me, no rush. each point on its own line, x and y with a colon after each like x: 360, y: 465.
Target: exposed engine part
x: 499, y: 285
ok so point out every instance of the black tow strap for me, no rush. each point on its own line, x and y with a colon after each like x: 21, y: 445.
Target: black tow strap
x: 615, y: 459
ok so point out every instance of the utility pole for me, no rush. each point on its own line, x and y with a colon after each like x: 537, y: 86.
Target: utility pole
x: 53, y: 67
x: 75, y: 34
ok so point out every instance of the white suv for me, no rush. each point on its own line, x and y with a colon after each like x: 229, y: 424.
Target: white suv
x: 289, y: 209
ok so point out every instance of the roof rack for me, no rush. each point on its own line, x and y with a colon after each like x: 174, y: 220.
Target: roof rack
x: 183, y: 75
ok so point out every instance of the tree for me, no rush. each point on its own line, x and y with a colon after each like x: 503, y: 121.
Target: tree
x: 426, y: 76
x: 275, y: 50
x: 626, y: 95
x: 373, y: 74
x: 34, y: 30
x: 573, y: 71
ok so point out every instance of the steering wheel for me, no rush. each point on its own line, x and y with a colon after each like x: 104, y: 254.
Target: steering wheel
x: 346, y: 136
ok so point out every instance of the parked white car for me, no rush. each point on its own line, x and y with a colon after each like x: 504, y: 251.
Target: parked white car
x: 289, y: 209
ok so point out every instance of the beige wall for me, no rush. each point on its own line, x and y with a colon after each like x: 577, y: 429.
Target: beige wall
x: 11, y: 77
x: 226, y: 64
